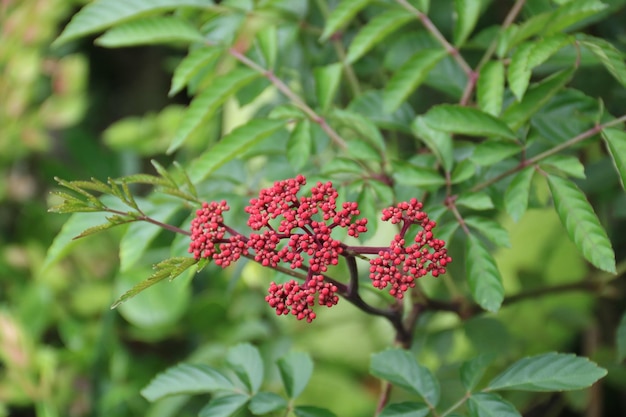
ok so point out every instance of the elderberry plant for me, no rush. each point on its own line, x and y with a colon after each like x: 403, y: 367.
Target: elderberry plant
x: 434, y: 141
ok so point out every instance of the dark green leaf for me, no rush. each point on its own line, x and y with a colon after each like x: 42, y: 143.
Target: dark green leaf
x: 549, y: 372
x: 341, y: 15
x: 327, y: 81
x: 102, y: 14
x: 191, y: 65
x: 621, y: 338
x: 246, y: 361
x: 409, y: 77
x: 312, y: 411
x: 483, y: 275
x: 581, y: 223
x: 405, y: 409
x: 490, y: 229
x: 611, y: 57
x: 225, y: 406
x: 232, y: 145
x: 571, y: 13
x: 186, y: 379
x: 472, y: 371
x: 375, y: 31
x: 490, y: 88
x: 488, y: 404
x: 295, y: 369
x: 406, y: 173
x: 266, y: 402
x: 363, y: 151
x: 299, y: 145
x: 517, y: 193
x: 440, y: 143
x: 616, y: 143
x: 491, y: 151
x: 453, y: 118
x: 476, y: 201
x: 467, y: 13
x: 206, y: 104
x: 400, y: 368
x: 149, y: 31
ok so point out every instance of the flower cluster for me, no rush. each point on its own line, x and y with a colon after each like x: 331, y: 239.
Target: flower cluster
x: 400, y: 265
x: 299, y: 299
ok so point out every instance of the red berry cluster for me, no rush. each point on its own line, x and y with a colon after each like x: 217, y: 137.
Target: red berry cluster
x: 299, y: 299
x: 400, y: 265
x: 207, y: 229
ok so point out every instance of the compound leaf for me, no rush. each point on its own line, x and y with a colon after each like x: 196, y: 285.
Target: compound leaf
x: 186, y: 378
x: 483, y: 275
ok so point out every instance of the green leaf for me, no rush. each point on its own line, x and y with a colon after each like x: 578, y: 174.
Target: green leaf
x: 483, y: 275
x: 112, y: 221
x: 299, y: 145
x: 191, y: 65
x: 491, y: 151
x: 342, y: 165
x: 405, y: 409
x: 206, y: 104
x: 312, y: 411
x: 400, y: 368
x: 341, y: 15
x: 186, y: 378
x: 581, y: 223
x: 362, y: 151
x: 150, y: 31
x: 571, y: 13
x: 616, y: 143
x: 488, y: 404
x: 490, y: 88
x: 611, y: 57
x: 360, y: 125
x: 549, y: 372
x: 621, y: 338
x: 327, y: 81
x: 225, y: 406
x: 167, y: 269
x: 266, y: 402
x: 476, y: 201
x: 566, y: 164
x: 406, y: 173
x: 463, y: 171
x: 440, y: 143
x: 517, y: 193
x: 519, y: 73
x: 295, y: 369
x: 473, y: 370
x: 530, y: 27
x: 410, y: 76
x: 453, y: 118
x: 545, y: 48
x: 102, y: 14
x: 490, y: 229
x: 245, y: 360
x: 268, y: 43
x: 467, y: 13
x: 375, y: 31
x: 537, y: 96
x: 230, y: 146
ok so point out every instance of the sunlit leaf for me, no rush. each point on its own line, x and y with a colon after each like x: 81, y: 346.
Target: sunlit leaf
x: 191, y: 65
x: 295, y: 369
x: 519, y: 74
x: 490, y: 88
x: 517, y: 193
x: 467, y: 13
x: 566, y: 164
x: 545, y: 48
x: 186, y: 378
x: 483, y: 275
x: 467, y: 121
x: 488, y: 404
x: 549, y: 372
x: 246, y: 361
x: 268, y: 43
x: 341, y: 15
x: 616, y: 143
x: 571, y: 13
x: 327, y: 81
x: 581, y: 223
x: 148, y: 31
x: 530, y: 27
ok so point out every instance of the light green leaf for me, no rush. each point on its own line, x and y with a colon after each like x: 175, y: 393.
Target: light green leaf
x: 611, y: 57
x: 266, y: 402
x: 327, y: 81
x: 405, y: 409
x: 491, y: 151
x: 548, y: 372
x: 363, y: 151
x: 476, y: 201
x: 299, y: 145
x: 616, y: 143
x: 467, y: 13
x: 463, y: 171
x: 621, y: 338
x: 191, y: 65
x: 567, y: 164
x: 490, y: 229
x: 519, y: 74
x: 488, y: 404
x: 406, y: 173
x: 225, y: 406
x: 571, y: 13
x: 490, y: 88
x: 545, y: 48
x: 268, y: 43
x: 440, y: 143
x: 360, y: 125
x: 206, y: 104
x: 230, y: 146
x: 246, y: 361
x: 581, y: 223
x: 150, y: 31
x: 343, y: 165
x: 453, y: 118
x: 186, y: 378
x: 341, y: 15
x: 312, y: 411
x: 103, y: 14
x: 295, y: 369
x: 483, y: 275
x: 530, y: 27
x: 399, y: 367
x: 473, y: 370
x: 537, y: 96
x: 375, y: 31
x: 409, y: 77
x: 517, y: 193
